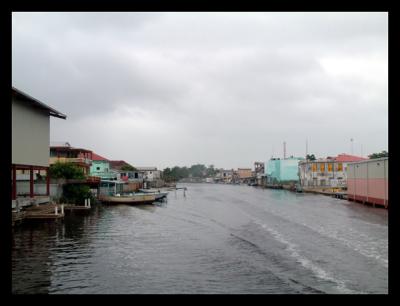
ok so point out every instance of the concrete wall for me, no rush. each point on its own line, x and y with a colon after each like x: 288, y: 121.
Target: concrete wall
x: 30, y: 135
x: 102, y: 164
x: 23, y: 189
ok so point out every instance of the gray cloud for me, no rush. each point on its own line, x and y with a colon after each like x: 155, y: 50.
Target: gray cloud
x: 222, y: 88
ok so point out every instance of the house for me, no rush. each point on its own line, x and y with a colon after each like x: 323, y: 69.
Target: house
x: 150, y: 173
x: 30, y: 134
x: 223, y: 176
x: 65, y: 153
x: 329, y: 172
x: 368, y: 181
x: 279, y: 172
x: 259, y: 172
x: 101, y: 168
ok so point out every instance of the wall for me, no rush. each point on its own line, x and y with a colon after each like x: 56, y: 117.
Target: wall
x: 30, y: 135
x: 102, y: 164
x: 368, y: 181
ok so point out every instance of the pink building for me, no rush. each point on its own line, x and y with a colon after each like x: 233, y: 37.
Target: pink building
x: 367, y: 181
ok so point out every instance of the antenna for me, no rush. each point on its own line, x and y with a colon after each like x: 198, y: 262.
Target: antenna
x: 306, y: 147
x: 351, y: 139
x: 284, y: 150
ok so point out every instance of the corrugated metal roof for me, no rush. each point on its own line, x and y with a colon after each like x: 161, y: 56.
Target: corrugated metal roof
x: 98, y: 157
x: 36, y: 103
x: 349, y: 158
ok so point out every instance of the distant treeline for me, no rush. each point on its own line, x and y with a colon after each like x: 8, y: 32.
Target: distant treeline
x: 177, y: 173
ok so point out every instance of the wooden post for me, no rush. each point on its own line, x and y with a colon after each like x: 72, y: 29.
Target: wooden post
x: 31, y: 194
x: 14, y: 182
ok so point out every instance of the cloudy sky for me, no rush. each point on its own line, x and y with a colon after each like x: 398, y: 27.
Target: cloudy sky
x: 166, y: 89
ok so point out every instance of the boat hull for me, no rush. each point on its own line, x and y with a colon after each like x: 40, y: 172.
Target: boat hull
x: 135, y: 199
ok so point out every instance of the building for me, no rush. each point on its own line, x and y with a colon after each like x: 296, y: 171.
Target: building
x: 101, y: 168
x: 329, y: 172
x: 368, y: 181
x: 30, y: 132
x: 65, y: 153
x: 279, y: 172
x: 150, y: 173
x: 223, y: 176
x: 259, y: 172
x: 244, y: 173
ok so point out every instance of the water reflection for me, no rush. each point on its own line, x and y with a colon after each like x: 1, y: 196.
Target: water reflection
x: 216, y: 239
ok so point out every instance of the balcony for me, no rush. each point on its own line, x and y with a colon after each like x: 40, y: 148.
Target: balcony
x: 75, y: 160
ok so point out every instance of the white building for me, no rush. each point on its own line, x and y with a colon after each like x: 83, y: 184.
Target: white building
x: 30, y: 148
x: 328, y: 172
x: 149, y: 173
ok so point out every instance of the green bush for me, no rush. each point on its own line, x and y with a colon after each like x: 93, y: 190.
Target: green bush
x: 76, y: 193
x: 65, y: 170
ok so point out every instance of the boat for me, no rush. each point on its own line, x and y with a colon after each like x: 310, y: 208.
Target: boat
x: 113, y: 192
x: 159, y: 195
x: 132, y: 198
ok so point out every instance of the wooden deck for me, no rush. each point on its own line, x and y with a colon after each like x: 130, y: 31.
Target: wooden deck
x: 43, y: 212
x: 76, y: 208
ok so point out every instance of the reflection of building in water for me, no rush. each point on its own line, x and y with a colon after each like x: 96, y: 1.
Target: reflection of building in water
x: 31, y: 259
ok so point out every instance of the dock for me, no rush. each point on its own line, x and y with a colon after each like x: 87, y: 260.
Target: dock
x: 76, y: 208
x: 45, y: 212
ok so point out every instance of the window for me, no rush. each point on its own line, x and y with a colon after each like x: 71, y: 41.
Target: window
x: 97, y: 168
x: 322, y: 167
x: 314, y: 167
x: 340, y: 167
x: 330, y: 167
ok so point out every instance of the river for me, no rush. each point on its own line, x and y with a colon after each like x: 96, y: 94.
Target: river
x: 214, y: 239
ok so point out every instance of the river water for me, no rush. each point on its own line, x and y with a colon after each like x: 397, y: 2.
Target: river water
x: 215, y: 239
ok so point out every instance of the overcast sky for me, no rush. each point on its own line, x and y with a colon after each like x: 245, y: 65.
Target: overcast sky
x: 166, y: 89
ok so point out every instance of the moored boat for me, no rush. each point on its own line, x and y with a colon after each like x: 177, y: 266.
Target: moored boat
x: 156, y: 192
x: 137, y: 198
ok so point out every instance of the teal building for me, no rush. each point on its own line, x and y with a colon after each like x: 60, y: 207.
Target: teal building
x: 282, y: 171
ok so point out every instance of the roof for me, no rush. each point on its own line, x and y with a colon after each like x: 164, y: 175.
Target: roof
x: 98, y: 157
x: 36, y: 103
x: 66, y: 148
x: 341, y: 158
x: 371, y: 160
x: 348, y: 158
x: 118, y: 164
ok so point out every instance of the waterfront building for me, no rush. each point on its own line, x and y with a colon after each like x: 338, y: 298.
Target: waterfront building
x: 259, y: 172
x: 244, y: 173
x: 330, y: 172
x: 368, y: 181
x: 30, y: 137
x: 279, y: 172
x: 150, y: 173
x: 101, y: 168
x: 223, y: 176
x: 65, y: 153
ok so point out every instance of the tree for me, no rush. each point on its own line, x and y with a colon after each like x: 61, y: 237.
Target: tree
x: 76, y: 193
x: 379, y: 155
x: 65, y: 170
x: 128, y: 168
x: 310, y: 157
